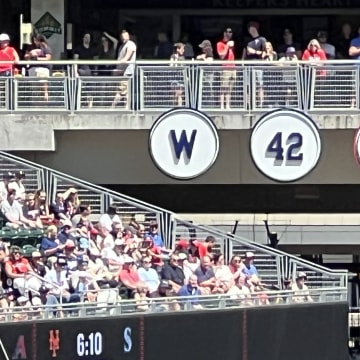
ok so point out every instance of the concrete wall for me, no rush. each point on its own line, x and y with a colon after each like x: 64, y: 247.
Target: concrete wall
x: 122, y: 157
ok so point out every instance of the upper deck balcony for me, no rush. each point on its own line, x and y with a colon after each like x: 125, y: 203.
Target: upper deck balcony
x: 63, y: 100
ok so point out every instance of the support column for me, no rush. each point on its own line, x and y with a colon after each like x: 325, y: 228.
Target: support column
x: 176, y: 28
x: 48, y: 18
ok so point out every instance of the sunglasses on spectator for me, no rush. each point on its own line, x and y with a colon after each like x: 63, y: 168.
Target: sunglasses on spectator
x: 175, y: 259
x: 237, y: 260
x: 146, y: 262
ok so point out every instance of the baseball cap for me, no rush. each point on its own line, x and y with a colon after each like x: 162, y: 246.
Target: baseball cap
x: 290, y: 50
x: 4, y: 37
x: 20, y: 174
x: 128, y: 260
x: 82, y: 260
x: 300, y: 275
x: 84, y: 243
x: 9, y: 175
x: 249, y: 254
x: 119, y: 242
x: 228, y: 30
x: 61, y: 261
x: 204, y: 44
x: 70, y: 244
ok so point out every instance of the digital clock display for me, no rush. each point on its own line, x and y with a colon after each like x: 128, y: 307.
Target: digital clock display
x: 91, y: 344
x: 89, y: 339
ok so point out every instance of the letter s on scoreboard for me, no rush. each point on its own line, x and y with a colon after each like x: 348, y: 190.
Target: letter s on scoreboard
x: 127, y: 340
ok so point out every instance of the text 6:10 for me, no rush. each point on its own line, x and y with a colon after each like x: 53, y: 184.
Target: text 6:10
x: 90, y: 345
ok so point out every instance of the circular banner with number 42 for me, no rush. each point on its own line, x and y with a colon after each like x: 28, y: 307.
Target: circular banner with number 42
x: 285, y: 145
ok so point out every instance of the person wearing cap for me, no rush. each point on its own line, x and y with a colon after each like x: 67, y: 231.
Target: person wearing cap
x: 249, y: 269
x: 225, y: 51
x: 301, y: 291
x: 13, y: 212
x: 289, y: 78
x: 114, y: 256
x: 58, y: 284
x: 154, y: 234
x: 20, y: 272
x: 288, y: 42
x: 208, y: 77
x: 7, y: 53
x: 82, y: 281
x: 8, y: 177
x: 129, y: 276
x: 18, y: 185
x: 149, y: 276
x: 207, y: 51
x: 329, y: 49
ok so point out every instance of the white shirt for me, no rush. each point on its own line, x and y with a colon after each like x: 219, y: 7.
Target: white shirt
x: 106, y: 221
x: 57, y: 278
x: 14, y: 210
x: 128, y: 69
x: 19, y: 188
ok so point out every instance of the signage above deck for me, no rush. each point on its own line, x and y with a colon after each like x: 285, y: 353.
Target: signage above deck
x: 235, y: 4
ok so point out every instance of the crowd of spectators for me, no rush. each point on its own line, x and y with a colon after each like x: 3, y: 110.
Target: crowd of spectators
x: 104, y: 261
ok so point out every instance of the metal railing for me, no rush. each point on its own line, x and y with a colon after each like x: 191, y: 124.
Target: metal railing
x: 171, y: 304
x: 273, y: 265
x: 331, y: 86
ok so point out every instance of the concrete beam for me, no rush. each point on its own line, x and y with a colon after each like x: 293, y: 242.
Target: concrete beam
x: 35, y: 131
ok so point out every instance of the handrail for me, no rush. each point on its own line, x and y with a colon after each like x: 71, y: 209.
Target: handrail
x: 164, y: 304
x: 266, y: 249
x: 176, y: 218
x: 85, y: 183
x: 185, y: 62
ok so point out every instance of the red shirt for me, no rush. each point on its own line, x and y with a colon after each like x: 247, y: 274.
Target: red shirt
x: 19, y: 267
x: 131, y: 277
x: 202, y: 248
x: 317, y: 55
x: 222, y: 47
x: 7, y: 53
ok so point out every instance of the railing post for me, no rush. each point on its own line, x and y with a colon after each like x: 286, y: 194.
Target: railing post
x: 167, y: 224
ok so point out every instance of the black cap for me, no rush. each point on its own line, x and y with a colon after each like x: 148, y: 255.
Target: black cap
x: 61, y: 261
x: 322, y: 34
x: 20, y: 174
x: 204, y: 44
x: 9, y: 175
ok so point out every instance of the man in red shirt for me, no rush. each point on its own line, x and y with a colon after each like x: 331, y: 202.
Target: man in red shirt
x: 7, y: 53
x: 129, y: 276
x: 225, y: 51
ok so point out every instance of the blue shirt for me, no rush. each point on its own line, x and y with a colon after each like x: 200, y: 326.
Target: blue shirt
x: 150, y: 277
x: 250, y: 270
x: 356, y: 42
x: 188, y: 290
x: 47, y: 244
x: 158, y: 240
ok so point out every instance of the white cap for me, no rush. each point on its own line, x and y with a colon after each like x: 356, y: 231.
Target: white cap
x: 4, y: 37
x: 128, y: 259
x: 249, y: 254
x: 301, y: 274
x: 119, y: 242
